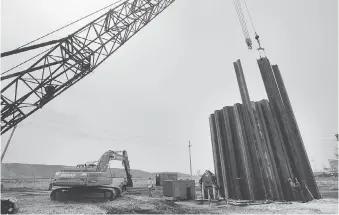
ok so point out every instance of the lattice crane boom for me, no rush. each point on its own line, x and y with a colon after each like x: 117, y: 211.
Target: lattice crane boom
x: 72, y: 58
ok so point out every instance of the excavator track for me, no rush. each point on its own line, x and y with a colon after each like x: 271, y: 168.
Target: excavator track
x: 103, y: 193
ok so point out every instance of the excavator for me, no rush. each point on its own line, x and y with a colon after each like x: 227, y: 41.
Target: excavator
x: 90, y: 180
x: 32, y: 84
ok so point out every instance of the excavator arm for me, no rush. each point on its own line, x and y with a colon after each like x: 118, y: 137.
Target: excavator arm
x: 104, y: 160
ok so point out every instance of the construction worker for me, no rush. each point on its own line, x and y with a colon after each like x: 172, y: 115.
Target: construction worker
x: 296, y: 189
x: 216, y: 189
x: 124, y: 185
x: 300, y: 190
x: 150, y: 186
x: 292, y: 185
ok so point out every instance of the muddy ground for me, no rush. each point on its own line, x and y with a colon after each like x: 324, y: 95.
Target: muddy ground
x: 36, y: 201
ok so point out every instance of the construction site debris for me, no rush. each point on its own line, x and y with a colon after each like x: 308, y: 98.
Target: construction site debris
x: 37, y: 202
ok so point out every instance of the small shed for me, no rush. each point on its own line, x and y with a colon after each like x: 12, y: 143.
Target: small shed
x: 161, y: 177
x: 179, y: 189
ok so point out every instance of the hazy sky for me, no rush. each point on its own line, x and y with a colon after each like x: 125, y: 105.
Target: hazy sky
x: 157, y: 92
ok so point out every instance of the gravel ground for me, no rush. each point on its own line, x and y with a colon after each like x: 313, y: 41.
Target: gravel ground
x: 34, y: 200
x: 38, y: 202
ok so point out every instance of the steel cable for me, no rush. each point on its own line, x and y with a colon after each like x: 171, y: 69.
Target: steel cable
x: 54, y: 32
x: 71, y: 23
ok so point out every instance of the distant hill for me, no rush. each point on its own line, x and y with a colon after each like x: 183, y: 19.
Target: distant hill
x: 19, y: 170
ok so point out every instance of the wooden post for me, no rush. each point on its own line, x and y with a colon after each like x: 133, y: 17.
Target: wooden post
x: 216, y: 155
x: 189, y: 150
x: 296, y: 133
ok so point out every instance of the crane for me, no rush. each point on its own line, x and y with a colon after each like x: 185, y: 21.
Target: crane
x: 70, y: 59
x: 27, y: 89
x: 243, y: 24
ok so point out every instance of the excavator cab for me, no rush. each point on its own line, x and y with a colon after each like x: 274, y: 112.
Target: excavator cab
x: 91, y: 164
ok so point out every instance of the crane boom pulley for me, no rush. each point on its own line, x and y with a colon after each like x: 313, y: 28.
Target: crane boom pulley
x: 72, y: 59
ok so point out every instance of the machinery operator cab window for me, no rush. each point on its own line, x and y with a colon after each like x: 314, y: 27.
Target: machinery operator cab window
x: 91, y: 164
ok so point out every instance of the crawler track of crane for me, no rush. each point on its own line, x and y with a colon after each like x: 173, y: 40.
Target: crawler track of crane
x: 101, y: 193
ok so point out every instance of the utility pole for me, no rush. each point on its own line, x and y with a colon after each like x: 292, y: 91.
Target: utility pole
x: 313, y: 164
x: 189, y: 149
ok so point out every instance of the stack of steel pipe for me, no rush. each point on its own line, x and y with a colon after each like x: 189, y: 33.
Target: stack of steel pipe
x: 257, y: 147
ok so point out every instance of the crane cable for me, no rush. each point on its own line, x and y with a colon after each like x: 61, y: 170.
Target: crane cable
x: 71, y: 23
x: 26, y: 61
x: 255, y: 32
x: 54, y: 32
x: 251, y: 20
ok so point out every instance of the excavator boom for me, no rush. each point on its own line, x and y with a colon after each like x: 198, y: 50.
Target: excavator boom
x: 114, y: 155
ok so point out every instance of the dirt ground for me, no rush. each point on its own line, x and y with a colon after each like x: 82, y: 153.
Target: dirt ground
x: 36, y: 201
